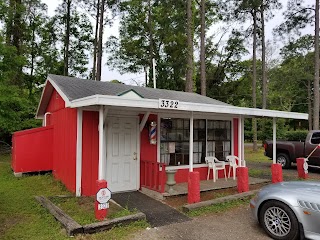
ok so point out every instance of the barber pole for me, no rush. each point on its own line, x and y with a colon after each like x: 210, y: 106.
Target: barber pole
x: 152, y: 133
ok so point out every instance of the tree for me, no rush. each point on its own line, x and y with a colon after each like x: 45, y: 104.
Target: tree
x: 189, y: 74
x: 202, y: 48
x: 297, y: 17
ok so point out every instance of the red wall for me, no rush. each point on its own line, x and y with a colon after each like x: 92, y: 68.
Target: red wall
x: 148, y: 151
x: 32, y: 150
x: 56, y: 102
x: 90, y: 152
x: 64, y: 141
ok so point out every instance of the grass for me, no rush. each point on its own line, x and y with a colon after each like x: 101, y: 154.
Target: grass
x: 251, y: 156
x: 220, y: 207
x: 21, y: 216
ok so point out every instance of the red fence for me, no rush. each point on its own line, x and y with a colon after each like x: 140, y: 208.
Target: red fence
x: 32, y: 150
x: 153, y: 175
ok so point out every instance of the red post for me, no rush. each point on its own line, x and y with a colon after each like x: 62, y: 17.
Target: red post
x: 100, y: 214
x: 276, y: 171
x: 302, y: 171
x: 243, y: 179
x: 193, y: 187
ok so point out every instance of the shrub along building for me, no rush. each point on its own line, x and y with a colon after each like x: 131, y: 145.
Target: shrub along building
x: 128, y: 135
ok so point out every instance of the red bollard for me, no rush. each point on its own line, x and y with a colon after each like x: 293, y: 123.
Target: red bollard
x: 243, y: 179
x: 276, y: 171
x: 193, y: 187
x: 302, y: 168
x: 102, y: 197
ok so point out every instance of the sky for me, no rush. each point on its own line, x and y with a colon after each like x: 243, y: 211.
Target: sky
x: 134, y: 79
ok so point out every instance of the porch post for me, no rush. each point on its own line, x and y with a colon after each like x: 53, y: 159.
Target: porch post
x: 276, y: 169
x: 191, y: 144
x: 274, y: 141
x: 100, y: 166
x: 193, y: 177
x: 79, y: 153
x: 240, y: 140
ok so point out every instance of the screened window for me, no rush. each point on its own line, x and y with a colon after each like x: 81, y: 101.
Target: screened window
x: 210, y: 138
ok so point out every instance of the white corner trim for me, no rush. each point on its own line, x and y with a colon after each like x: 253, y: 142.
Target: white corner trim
x: 101, y: 138
x: 144, y: 120
x: 61, y: 93
x: 79, y: 153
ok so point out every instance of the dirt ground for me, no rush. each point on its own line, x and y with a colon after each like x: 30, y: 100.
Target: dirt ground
x: 233, y: 224
x: 236, y: 223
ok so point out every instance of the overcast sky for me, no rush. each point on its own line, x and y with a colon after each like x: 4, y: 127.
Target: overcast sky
x: 132, y: 79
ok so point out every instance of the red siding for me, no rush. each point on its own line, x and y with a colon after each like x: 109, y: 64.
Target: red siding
x: 148, y: 151
x: 32, y: 150
x: 56, y: 102
x: 64, y: 141
x: 90, y: 152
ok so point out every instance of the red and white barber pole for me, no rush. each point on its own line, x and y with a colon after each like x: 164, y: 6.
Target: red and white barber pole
x: 152, y: 133
x: 102, y: 199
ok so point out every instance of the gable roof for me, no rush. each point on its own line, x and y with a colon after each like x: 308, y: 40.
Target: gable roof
x: 78, y: 92
x: 76, y: 88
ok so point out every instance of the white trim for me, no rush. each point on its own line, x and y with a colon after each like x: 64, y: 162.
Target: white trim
x: 274, y: 141
x: 79, y: 152
x: 191, y: 144
x: 242, y: 138
x: 183, y: 106
x: 232, y: 137
x: 101, y: 144
x: 61, y: 93
x: 158, y: 137
x: 138, y: 153
x: 239, y: 141
x: 144, y: 120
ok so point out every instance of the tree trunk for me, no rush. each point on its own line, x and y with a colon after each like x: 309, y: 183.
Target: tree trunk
x: 151, y: 55
x: 9, y: 22
x: 202, y: 49
x: 309, y: 105
x: 95, y: 43
x: 99, y: 59
x: 316, y: 71
x: 189, y: 75
x: 67, y: 38
x: 254, y: 79
x: 264, y: 67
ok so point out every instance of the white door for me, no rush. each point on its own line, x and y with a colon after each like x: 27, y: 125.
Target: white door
x: 122, y: 155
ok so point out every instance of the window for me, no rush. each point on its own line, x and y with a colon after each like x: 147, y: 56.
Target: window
x: 315, y: 139
x: 211, y: 134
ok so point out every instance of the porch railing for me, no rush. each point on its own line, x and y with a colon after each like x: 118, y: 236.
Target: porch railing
x: 153, y: 175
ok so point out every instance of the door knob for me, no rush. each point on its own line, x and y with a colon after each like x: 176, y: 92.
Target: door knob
x: 135, y: 157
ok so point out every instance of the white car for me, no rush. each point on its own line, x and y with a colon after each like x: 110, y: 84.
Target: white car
x: 289, y: 210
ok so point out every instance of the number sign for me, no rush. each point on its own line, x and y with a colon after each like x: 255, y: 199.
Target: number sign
x: 168, y: 104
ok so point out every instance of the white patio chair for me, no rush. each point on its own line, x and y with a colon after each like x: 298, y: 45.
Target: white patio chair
x: 215, y: 165
x: 234, y: 163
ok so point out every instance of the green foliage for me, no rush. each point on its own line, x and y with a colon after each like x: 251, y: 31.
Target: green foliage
x: 299, y: 135
x: 22, y: 217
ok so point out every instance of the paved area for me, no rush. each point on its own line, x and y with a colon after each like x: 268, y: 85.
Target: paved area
x: 157, y: 213
x: 233, y: 224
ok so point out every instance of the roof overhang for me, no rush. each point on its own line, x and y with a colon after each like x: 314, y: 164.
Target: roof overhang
x: 153, y: 104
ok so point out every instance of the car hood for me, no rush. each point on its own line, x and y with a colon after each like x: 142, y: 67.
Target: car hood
x: 300, y: 187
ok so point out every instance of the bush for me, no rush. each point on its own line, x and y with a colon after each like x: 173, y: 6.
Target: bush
x: 299, y: 135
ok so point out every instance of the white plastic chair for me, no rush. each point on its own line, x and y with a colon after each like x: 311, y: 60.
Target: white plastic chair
x: 215, y: 165
x: 234, y: 163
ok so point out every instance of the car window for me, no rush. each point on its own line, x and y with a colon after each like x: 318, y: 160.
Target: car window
x: 315, y: 139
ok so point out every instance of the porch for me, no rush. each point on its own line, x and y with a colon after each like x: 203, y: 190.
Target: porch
x: 181, y: 189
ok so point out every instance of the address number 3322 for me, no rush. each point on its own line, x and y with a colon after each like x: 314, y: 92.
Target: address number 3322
x: 167, y: 103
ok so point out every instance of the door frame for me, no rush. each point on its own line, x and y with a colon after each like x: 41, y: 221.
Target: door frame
x: 138, y: 136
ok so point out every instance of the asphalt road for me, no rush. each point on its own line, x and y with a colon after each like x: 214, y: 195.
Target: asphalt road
x: 233, y: 224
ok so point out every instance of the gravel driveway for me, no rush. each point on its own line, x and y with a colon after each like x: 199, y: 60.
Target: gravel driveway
x: 233, y: 224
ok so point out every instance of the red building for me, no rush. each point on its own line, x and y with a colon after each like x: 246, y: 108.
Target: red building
x: 128, y: 135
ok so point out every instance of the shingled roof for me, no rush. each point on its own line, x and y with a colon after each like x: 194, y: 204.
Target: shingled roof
x: 76, y: 88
